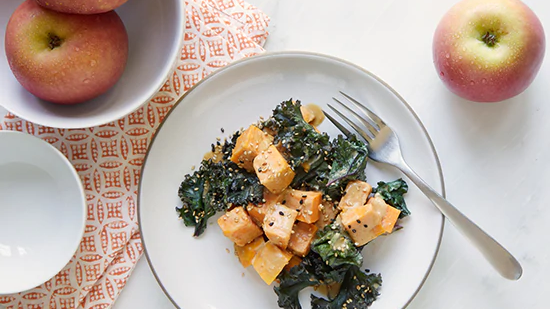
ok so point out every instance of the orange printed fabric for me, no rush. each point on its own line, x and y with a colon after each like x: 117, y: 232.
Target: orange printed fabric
x: 108, y: 159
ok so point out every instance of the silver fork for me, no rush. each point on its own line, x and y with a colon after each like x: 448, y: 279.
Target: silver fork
x: 383, y: 146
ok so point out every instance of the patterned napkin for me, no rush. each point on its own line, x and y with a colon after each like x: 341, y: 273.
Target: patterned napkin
x: 109, y: 158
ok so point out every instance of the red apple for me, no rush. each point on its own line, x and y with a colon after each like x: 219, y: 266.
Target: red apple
x: 65, y: 58
x: 81, y: 6
x: 488, y: 50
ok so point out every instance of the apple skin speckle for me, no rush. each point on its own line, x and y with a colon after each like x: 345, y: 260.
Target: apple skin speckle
x: 488, y: 50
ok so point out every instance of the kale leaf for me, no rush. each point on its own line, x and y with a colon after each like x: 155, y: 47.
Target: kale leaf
x: 358, y: 291
x: 312, y: 271
x: 348, y: 162
x: 212, y: 188
x: 392, y: 193
x: 298, y: 137
x: 336, y: 248
x: 291, y: 283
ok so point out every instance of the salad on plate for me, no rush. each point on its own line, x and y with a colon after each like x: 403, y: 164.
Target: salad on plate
x: 297, y: 206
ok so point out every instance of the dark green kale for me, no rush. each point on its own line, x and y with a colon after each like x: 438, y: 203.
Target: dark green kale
x: 303, y: 143
x: 358, y: 291
x: 392, y: 193
x: 312, y: 271
x: 348, y: 162
x: 213, y: 188
x: 336, y: 248
x: 291, y: 283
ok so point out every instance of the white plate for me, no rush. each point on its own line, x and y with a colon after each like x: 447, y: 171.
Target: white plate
x: 200, y: 273
x: 42, y: 211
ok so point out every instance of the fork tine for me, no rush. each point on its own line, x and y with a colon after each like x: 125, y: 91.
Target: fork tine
x: 355, y: 127
x: 338, y: 125
x: 373, y: 130
x: 367, y: 111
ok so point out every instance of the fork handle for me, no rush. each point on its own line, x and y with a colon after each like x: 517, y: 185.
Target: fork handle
x: 496, y: 254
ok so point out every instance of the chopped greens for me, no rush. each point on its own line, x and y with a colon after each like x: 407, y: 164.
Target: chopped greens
x: 336, y: 248
x: 348, y: 162
x: 292, y: 282
x: 392, y: 193
x: 212, y: 188
x: 358, y: 291
x: 297, y: 136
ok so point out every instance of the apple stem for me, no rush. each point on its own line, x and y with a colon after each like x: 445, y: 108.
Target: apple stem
x: 55, y: 41
x: 489, y: 38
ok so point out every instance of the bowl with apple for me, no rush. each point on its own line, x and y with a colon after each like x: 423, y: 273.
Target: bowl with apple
x: 84, y: 63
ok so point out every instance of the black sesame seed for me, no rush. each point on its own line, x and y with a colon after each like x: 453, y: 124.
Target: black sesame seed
x: 358, y: 221
x: 281, y: 213
x: 298, y: 210
x: 283, y: 202
x: 218, y: 143
x: 301, y: 202
x: 353, y: 231
x: 365, y: 225
x: 270, y: 223
x: 223, y: 131
x: 304, y: 196
x: 349, y: 226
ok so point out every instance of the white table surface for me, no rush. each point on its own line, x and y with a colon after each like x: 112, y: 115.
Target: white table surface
x: 494, y: 156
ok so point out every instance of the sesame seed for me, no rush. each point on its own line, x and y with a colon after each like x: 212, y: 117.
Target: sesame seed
x: 358, y: 221
x: 283, y: 202
x: 365, y: 225
x: 354, y: 231
x: 270, y: 223
x: 281, y: 213
x: 301, y: 202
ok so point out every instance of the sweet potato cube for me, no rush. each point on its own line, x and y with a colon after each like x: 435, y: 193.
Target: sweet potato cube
x: 327, y: 214
x: 257, y: 212
x: 365, y: 223
x: 294, y: 261
x: 278, y: 223
x: 388, y: 220
x: 248, y: 145
x: 238, y: 226
x: 356, y: 194
x: 270, y: 261
x: 247, y: 252
x: 273, y: 170
x: 306, y: 203
x: 301, y: 238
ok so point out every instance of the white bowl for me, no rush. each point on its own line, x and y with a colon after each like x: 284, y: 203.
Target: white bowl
x: 42, y: 211
x: 155, y: 30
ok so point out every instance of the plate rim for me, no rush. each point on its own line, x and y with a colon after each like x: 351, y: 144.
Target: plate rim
x: 293, y: 53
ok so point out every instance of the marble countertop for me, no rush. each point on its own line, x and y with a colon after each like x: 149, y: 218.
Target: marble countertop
x: 493, y: 155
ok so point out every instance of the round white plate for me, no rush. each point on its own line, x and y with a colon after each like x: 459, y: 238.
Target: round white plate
x: 42, y: 211
x: 203, y: 273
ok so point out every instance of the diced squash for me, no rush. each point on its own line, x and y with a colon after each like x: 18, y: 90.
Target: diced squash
x: 257, y: 212
x: 248, y: 145
x: 307, y: 114
x: 365, y: 223
x: 238, y: 226
x: 327, y: 214
x: 247, y: 252
x: 278, y: 223
x: 389, y: 219
x: 301, y: 238
x: 270, y: 261
x: 306, y: 203
x: 273, y: 170
x: 294, y: 261
x: 356, y: 194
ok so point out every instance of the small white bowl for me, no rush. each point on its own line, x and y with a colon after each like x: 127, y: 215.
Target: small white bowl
x: 42, y: 211
x: 155, y: 31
